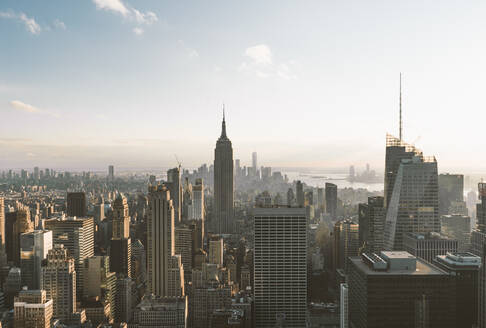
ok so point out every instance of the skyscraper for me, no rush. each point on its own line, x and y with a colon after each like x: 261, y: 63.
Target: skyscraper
x: 198, y: 200
x: 254, y: 162
x: 464, y: 268
x: 331, y: 200
x: 372, y: 225
x: 280, y: 266
x: 223, y: 183
x: 161, y: 242
x: 59, y: 282
x: 175, y: 187
x: 346, y: 242
x: 16, y: 223
x: 478, y: 247
x: 120, y: 244
x: 395, y: 289
x: 184, y: 246
x: 451, y: 189
x: 76, y: 204
x: 299, y: 191
x: 111, y: 173
x: 77, y: 236
x: 34, y: 247
x: 2, y: 225
x: 3, y: 250
x: 414, y: 204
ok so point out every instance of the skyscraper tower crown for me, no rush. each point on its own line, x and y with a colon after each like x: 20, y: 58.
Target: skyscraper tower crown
x: 223, y: 129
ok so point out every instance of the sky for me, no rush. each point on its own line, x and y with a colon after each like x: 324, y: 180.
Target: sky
x: 88, y: 83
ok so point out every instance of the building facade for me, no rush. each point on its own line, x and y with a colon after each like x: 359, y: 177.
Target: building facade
x: 280, y: 266
x: 223, y: 183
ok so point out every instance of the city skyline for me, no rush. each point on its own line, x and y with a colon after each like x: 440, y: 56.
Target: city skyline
x: 131, y: 64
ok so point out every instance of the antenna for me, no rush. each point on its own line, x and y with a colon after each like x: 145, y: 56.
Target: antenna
x: 401, y: 123
x: 178, y: 161
x: 223, y: 112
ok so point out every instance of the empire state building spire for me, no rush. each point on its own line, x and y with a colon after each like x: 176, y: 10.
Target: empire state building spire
x: 223, y: 129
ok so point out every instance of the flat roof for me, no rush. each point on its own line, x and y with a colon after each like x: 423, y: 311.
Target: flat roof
x: 398, y: 255
x: 279, y: 211
x: 423, y: 268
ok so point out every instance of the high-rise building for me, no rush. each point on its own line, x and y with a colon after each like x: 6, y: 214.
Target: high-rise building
x: 32, y: 309
x: 198, y: 209
x: 396, y: 150
x: 34, y: 247
x: 457, y: 227
x: 184, y: 246
x: 161, y: 243
x: 100, y: 287
x: 299, y: 191
x: 2, y: 226
x: 344, y: 306
x: 321, y: 200
x: 120, y: 244
x: 216, y: 251
x: 395, y: 289
x: 16, y: 223
x: 428, y: 246
x: 124, y: 300
x: 478, y: 247
x: 464, y: 268
x: 223, y: 183
x: 176, y: 284
x: 59, y: 282
x: 280, y: 266
x: 372, y: 225
x: 414, y: 205
x: 331, y: 200
x: 254, y: 162
x: 451, y: 189
x: 76, y: 204
x: 36, y: 173
x: 12, y: 286
x: 77, y: 236
x: 346, y: 243
x: 175, y: 187
x: 111, y: 173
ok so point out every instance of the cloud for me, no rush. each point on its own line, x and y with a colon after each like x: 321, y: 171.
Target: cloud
x: 260, y: 62
x: 138, y: 30
x: 59, y: 24
x: 18, y: 105
x: 112, y: 5
x: 128, y: 12
x: 29, y: 23
x: 260, y: 54
x: 148, y: 18
x: 190, y: 52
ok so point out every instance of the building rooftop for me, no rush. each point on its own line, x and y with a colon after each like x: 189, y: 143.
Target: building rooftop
x: 397, y: 263
x: 465, y: 259
x: 427, y: 236
x: 279, y: 211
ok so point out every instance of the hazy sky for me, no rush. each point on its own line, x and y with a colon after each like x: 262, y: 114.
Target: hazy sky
x: 88, y: 83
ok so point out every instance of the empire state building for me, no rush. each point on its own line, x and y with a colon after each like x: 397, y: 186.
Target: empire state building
x: 223, y: 183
